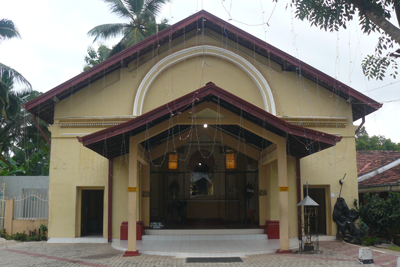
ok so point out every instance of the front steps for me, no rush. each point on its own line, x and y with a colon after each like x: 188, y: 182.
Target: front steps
x: 205, y: 243
x: 204, y: 234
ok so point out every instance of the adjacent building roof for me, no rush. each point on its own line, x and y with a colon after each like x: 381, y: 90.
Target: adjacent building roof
x: 113, y: 142
x: 378, y: 168
x: 43, y: 106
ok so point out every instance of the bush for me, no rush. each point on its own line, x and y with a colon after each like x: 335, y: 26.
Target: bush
x: 43, y: 229
x: 364, y: 229
x: 20, y: 236
x: 369, y: 241
x: 382, y: 216
x: 3, y: 234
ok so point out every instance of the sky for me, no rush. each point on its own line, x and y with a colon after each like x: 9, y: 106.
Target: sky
x: 54, y: 44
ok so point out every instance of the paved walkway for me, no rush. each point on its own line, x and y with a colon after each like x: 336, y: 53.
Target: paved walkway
x: 43, y: 254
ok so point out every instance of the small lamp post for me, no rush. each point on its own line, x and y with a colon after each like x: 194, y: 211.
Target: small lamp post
x: 309, y: 224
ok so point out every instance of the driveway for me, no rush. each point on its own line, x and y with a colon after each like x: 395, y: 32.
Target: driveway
x: 43, y: 254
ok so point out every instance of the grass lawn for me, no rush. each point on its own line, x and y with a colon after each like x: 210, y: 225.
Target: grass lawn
x: 395, y: 249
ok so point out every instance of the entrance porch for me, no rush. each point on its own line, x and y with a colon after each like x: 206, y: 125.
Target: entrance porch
x: 270, y: 146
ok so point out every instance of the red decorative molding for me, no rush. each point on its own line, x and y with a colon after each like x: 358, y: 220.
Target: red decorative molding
x: 124, y: 231
x: 139, y: 230
x: 282, y: 251
x: 131, y: 253
x: 110, y: 184
x: 272, y: 229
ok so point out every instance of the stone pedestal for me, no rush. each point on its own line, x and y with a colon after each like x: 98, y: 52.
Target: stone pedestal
x: 124, y: 230
x: 365, y: 256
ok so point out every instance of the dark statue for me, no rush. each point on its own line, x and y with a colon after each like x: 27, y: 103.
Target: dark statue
x: 344, y: 219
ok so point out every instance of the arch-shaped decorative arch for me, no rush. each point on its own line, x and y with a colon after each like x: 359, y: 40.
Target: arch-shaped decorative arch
x: 242, y: 63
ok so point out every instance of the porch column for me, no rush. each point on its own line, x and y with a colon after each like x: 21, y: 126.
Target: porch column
x: 132, y: 198
x: 283, y: 198
x: 263, y: 200
x: 146, y: 199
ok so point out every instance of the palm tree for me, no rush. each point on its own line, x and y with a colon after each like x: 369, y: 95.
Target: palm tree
x: 8, y: 31
x: 141, y: 15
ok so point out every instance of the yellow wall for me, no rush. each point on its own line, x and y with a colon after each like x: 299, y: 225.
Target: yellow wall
x: 112, y: 98
x: 328, y: 167
x: 178, y: 81
x: 20, y: 226
x: 72, y: 166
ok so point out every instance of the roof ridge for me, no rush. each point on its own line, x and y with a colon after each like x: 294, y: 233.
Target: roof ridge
x: 379, y: 170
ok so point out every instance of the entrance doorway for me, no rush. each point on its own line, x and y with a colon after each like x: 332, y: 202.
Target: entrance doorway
x: 204, y: 189
x: 318, y: 195
x: 92, y: 209
x: 230, y: 202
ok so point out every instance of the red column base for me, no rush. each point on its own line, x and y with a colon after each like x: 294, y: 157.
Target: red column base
x: 131, y: 253
x: 281, y: 251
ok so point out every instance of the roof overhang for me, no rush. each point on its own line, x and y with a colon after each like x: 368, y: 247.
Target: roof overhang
x: 114, y: 141
x: 43, y: 106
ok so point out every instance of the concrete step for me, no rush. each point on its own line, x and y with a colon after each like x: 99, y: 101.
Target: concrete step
x: 204, y: 237
x: 204, y: 234
x: 193, y: 232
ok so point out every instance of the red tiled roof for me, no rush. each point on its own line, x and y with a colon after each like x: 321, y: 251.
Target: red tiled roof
x: 368, y: 161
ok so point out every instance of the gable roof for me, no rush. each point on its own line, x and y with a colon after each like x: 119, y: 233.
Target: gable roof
x: 112, y: 142
x: 43, y: 105
x: 378, y: 168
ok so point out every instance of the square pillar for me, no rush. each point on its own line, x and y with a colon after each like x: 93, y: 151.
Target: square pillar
x: 263, y: 199
x: 283, y: 198
x: 9, y: 216
x: 145, y: 199
x: 132, y: 198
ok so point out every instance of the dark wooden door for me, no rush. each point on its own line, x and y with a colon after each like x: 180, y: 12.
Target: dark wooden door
x: 85, y: 212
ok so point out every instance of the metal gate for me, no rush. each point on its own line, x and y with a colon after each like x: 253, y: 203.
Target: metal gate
x: 241, y: 199
x: 170, y: 192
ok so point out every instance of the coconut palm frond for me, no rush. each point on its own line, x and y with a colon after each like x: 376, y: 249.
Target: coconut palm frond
x: 135, y: 6
x: 163, y: 25
x: 119, y: 8
x: 107, y: 31
x: 134, y: 36
x: 154, y: 7
x: 16, y: 76
x: 116, y: 49
x: 142, y: 22
x: 8, y: 30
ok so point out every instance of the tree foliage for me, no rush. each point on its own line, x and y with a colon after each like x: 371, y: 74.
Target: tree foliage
x: 95, y: 57
x: 373, y: 16
x: 376, y: 142
x: 8, y: 30
x: 24, y: 151
x: 141, y: 22
x: 382, y: 216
